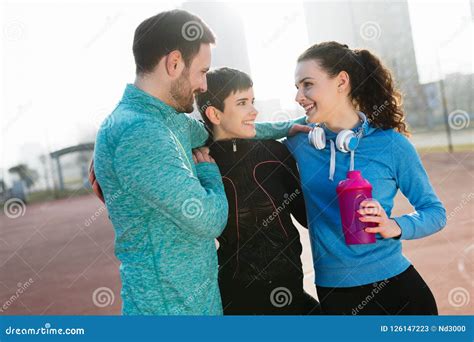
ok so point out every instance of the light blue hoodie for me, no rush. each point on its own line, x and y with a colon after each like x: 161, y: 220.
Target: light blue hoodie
x: 390, y: 163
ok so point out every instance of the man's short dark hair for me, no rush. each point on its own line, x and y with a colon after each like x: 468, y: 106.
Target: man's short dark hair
x: 168, y: 31
x: 221, y: 83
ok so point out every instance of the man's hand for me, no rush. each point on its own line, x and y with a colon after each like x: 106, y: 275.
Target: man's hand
x: 201, y: 155
x: 94, y: 184
x: 296, y: 128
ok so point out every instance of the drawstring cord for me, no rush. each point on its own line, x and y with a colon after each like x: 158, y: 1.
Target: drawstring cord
x: 351, y: 168
x: 332, y: 165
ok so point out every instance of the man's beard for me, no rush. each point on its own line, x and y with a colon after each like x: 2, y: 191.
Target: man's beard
x: 182, y: 93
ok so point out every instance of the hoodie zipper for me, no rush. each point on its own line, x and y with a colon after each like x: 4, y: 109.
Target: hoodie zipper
x: 234, y: 145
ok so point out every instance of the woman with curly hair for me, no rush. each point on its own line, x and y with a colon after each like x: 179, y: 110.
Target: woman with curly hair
x: 358, y: 123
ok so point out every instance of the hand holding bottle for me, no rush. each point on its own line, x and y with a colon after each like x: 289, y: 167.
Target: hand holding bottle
x: 372, y: 211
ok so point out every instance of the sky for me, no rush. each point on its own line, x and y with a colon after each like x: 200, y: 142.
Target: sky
x: 65, y: 64
x: 442, y: 30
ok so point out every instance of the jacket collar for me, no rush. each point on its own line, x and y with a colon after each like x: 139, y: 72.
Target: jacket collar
x: 230, y: 150
x: 136, y: 96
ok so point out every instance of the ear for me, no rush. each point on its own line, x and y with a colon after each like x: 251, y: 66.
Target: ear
x: 343, y: 81
x: 174, y: 63
x: 214, y: 115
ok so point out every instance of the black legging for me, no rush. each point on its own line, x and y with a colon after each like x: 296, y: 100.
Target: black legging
x: 404, y: 294
x: 267, y: 298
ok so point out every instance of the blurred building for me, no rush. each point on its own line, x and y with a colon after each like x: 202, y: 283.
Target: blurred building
x: 231, y: 44
x: 382, y: 27
x: 459, y: 92
x: 432, y: 93
x: 231, y: 47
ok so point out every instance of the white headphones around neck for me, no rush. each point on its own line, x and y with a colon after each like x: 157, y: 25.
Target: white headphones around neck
x: 346, y: 141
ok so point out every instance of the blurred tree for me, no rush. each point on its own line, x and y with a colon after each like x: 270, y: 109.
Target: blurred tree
x: 27, y: 175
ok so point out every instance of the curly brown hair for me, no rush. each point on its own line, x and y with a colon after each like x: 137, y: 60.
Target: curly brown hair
x: 372, y: 86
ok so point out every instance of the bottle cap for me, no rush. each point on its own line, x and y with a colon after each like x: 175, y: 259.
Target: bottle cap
x: 355, y: 174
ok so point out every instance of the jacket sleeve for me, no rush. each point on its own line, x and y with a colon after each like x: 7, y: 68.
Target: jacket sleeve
x: 198, y: 132
x: 429, y: 215
x: 150, y: 167
x: 277, y: 129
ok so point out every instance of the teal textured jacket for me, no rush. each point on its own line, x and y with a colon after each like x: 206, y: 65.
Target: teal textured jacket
x: 166, y: 211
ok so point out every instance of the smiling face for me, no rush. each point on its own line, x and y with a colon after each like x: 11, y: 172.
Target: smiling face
x: 238, y: 118
x: 191, y: 81
x: 317, y: 92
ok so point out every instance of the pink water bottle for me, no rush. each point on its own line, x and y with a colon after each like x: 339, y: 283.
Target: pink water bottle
x: 351, y: 192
